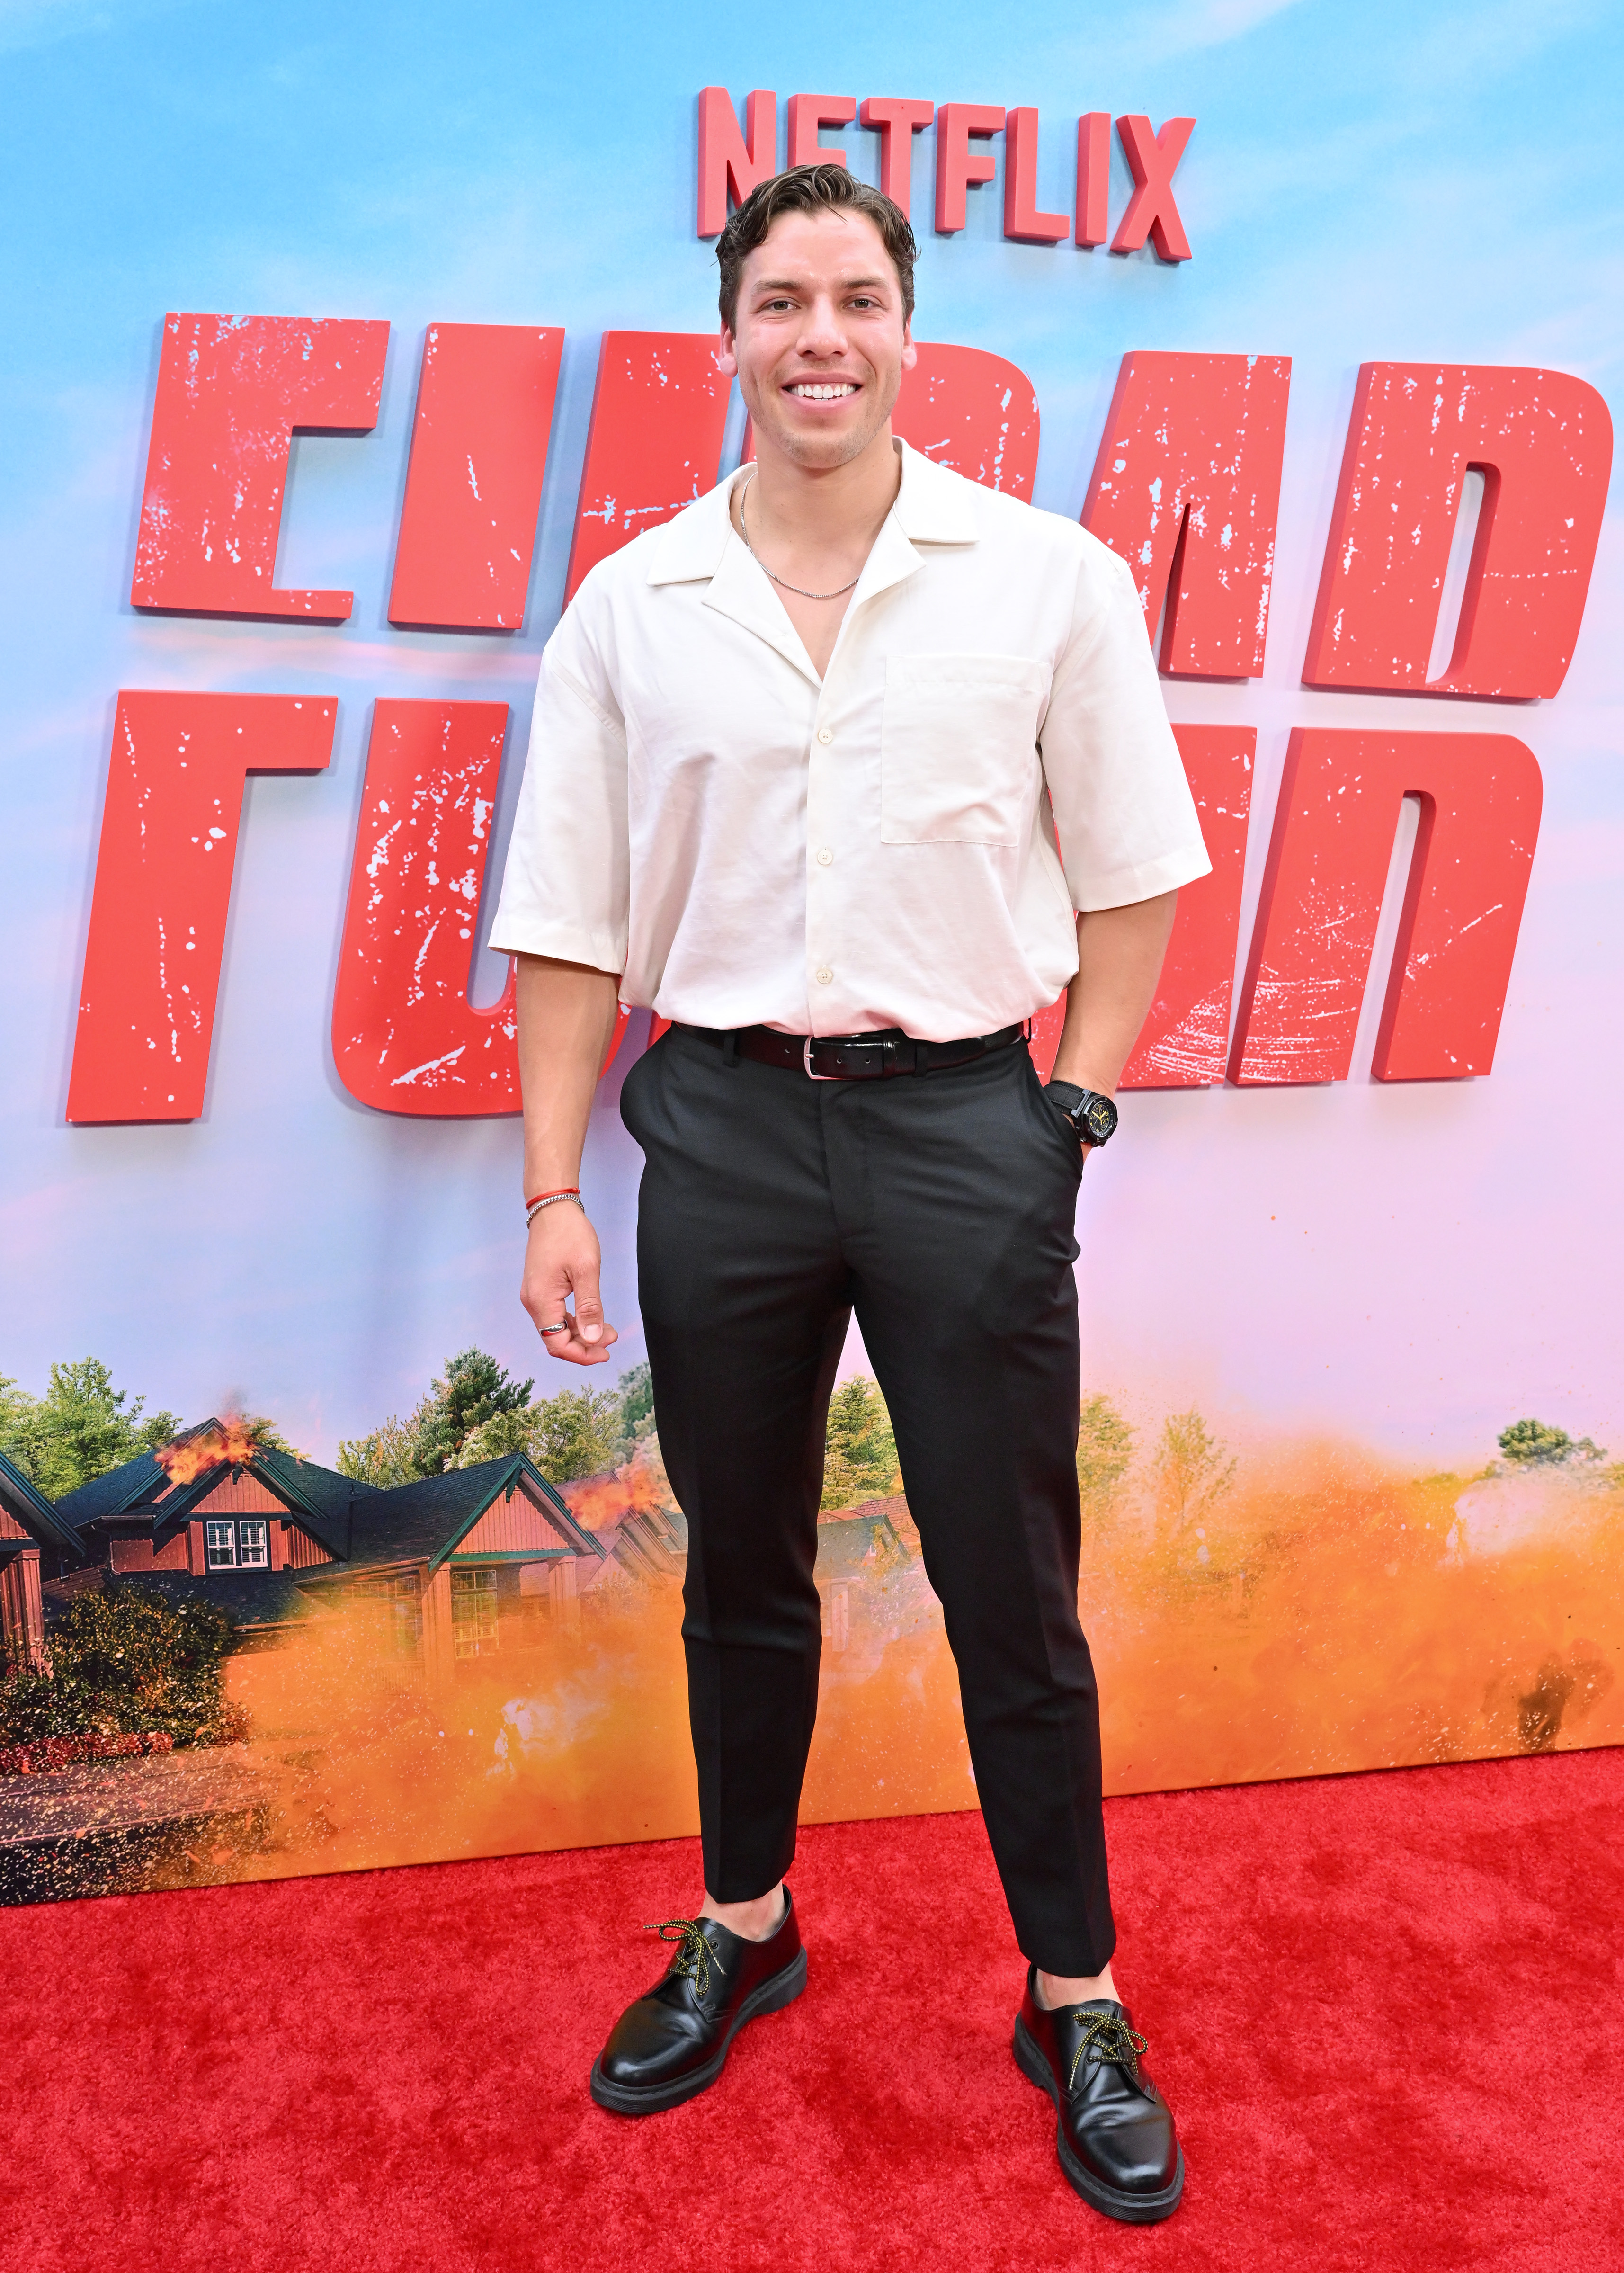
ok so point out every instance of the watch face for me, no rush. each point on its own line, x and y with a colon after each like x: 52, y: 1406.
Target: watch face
x: 1099, y: 1119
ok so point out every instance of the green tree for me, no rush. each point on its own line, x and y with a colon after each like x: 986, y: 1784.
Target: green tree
x: 473, y: 1390
x: 1192, y: 1473
x: 388, y: 1456
x: 1105, y: 1454
x: 1531, y: 1445
x: 79, y: 1428
x: 576, y: 1433
x: 266, y: 1434
x: 126, y: 1661
x: 636, y: 1392
x: 478, y: 1411
x: 859, y: 1459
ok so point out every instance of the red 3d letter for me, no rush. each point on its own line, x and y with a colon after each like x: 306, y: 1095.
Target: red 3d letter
x: 1186, y: 489
x: 656, y: 442
x: 1544, y: 441
x: 897, y: 123
x: 807, y: 114
x: 474, y: 486
x: 163, y: 887
x: 1093, y: 178
x: 406, y: 1038
x: 232, y: 393
x: 730, y: 163
x: 1021, y: 218
x: 1185, y: 1041
x: 972, y: 411
x: 1151, y: 210
x: 957, y: 164
x: 1327, y: 863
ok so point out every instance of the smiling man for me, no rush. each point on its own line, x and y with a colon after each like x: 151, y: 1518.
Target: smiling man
x: 847, y: 771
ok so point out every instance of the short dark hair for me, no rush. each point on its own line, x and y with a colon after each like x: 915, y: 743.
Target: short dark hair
x: 824, y: 188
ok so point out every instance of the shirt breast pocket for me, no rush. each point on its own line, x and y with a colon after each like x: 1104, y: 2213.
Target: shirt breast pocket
x: 958, y: 748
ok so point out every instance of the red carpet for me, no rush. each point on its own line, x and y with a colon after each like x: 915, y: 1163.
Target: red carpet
x: 1385, y: 2009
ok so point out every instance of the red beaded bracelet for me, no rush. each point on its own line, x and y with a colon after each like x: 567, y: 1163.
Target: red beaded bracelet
x: 564, y: 1192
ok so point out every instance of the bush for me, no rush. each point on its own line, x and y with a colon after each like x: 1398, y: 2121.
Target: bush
x: 126, y: 1662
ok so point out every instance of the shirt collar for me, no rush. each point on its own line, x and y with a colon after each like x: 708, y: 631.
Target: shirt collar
x: 933, y: 506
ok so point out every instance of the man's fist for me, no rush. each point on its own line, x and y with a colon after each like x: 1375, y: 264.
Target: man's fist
x: 562, y: 1258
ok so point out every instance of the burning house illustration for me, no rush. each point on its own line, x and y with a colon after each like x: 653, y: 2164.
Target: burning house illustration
x: 479, y: 1661
x: 459, y: 1564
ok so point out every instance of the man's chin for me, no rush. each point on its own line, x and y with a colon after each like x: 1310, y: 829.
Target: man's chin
x: 821, y: 449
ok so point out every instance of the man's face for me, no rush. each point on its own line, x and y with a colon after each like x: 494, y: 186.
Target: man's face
x: 819, y: 342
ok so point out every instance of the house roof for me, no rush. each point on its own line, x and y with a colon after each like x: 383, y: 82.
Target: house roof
x: 251, y: 1599
x: 38, y: 1518
x: 847, y: 1541
x: 124, y: 1486
x: 360, y: 1525
x: 320, y: 1498
x: 426, y: 1521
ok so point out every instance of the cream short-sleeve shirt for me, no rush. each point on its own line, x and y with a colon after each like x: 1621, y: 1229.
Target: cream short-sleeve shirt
x: 900, y: 843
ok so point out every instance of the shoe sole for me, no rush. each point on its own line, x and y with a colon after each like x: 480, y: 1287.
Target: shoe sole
x: 779, y: 1989
x: 1132, y: 2210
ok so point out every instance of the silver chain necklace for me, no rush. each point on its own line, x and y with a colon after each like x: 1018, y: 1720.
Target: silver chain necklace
x: 799, y: 590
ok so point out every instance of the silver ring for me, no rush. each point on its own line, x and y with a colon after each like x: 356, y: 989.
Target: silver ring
x: 562, y: 1327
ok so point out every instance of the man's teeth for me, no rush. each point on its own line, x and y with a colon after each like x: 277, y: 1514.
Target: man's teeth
x: 830, y: 392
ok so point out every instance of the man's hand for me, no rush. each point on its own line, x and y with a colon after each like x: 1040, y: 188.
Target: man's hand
x: 562, y: 1258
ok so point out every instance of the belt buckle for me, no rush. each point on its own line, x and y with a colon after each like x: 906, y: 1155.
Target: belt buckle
x: 806, y: 1047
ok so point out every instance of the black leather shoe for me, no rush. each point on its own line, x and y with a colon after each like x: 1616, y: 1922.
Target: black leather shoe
x: 674, y: 2042
x: 1115, y: 2136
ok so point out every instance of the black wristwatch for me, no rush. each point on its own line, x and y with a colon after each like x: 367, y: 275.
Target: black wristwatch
x: 1094, y: 1117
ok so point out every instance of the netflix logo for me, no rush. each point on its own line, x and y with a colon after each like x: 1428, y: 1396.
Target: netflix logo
x: 734, y: 159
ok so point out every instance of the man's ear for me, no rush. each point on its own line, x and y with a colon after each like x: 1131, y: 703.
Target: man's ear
x: 727, y: 356
x: 910, y: 353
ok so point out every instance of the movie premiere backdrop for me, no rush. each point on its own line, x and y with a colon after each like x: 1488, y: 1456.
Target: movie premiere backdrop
x: 340, y: 350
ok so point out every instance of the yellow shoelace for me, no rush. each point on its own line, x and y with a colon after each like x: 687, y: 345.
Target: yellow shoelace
x: 694, y: 1957
x: 1106, y: 2037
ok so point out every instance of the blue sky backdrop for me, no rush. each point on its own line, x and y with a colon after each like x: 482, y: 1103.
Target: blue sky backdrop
x: 1408, y: 1266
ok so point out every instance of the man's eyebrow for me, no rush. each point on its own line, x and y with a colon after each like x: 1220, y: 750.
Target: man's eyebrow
x: 796, y: 283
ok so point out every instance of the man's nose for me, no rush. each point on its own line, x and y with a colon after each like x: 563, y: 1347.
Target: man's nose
x: 823, y: 332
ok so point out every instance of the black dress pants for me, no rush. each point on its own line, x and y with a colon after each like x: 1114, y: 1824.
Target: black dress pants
x: 939, y: 1206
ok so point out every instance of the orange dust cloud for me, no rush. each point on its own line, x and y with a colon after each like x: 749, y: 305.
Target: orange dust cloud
x: 1325, y: 1617
x: 574, y: 1735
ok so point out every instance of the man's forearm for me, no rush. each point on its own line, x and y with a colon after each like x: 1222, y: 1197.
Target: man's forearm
x: 1120, y: 953
x: 566, y: 1014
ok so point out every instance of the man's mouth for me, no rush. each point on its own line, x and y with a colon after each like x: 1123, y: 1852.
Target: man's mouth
x: 822, y: 390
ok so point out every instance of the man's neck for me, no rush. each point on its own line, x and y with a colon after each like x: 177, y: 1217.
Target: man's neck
x: 822, y: 507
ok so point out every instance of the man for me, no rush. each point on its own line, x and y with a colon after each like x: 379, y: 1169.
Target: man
x: 798, y: 763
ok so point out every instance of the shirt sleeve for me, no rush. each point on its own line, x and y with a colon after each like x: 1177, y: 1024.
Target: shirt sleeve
x: 1126, y: 823
x: 565, y: 890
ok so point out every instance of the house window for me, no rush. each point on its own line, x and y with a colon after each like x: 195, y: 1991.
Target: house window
x: 473, y: 1613
x: 242, y: 1545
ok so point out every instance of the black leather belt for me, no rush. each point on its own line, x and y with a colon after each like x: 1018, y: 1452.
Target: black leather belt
x: 851, y: 1057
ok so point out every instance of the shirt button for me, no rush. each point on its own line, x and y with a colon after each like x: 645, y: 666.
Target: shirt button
x: 824, y: 977
x: 826, y: 734
x: 823, y: 856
